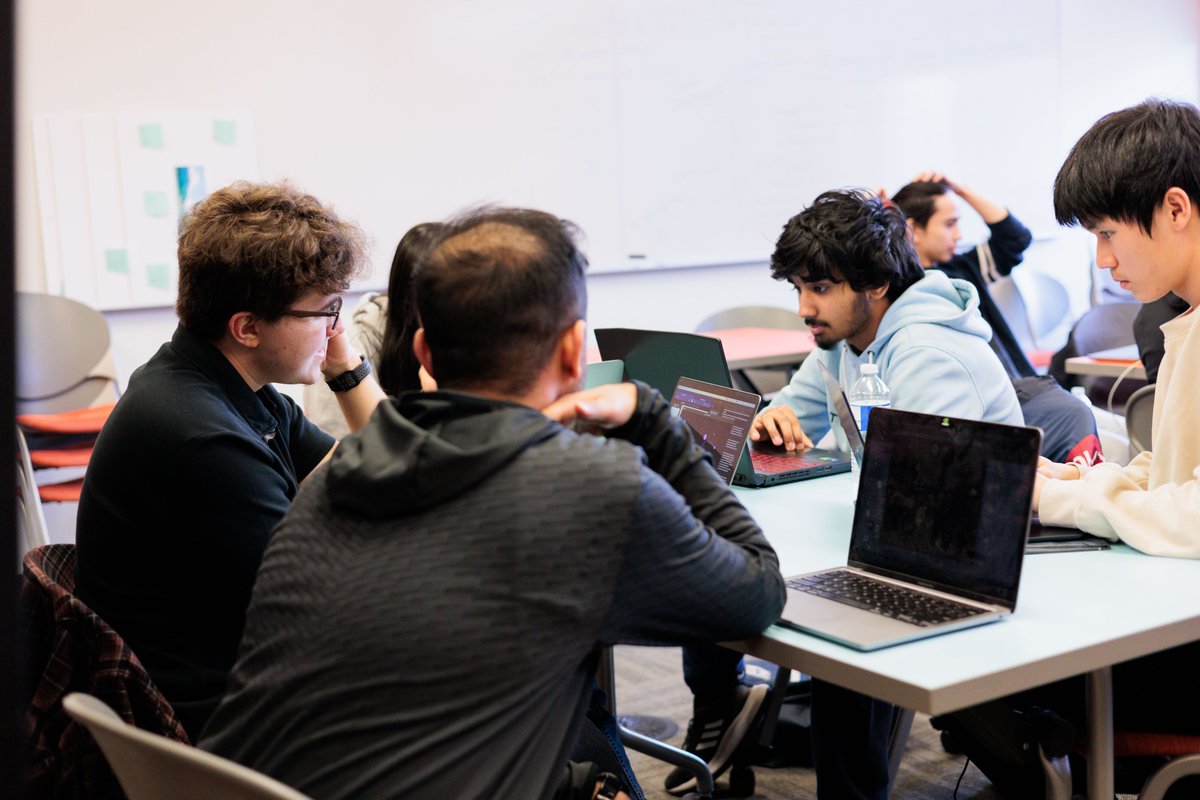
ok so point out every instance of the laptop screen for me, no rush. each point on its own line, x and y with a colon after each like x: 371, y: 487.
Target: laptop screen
x: 945, y: 502
x: 719, y: 417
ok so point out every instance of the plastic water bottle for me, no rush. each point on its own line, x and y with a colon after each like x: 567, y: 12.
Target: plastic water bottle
x: 868, y: 393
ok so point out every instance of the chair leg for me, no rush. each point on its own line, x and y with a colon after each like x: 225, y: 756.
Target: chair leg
x: 673, y: 756
x: 1058, y: 776
x: 1157, y: 784
x: 676, y: 757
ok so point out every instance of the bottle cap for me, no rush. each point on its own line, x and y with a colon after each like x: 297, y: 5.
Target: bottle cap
x: 868, y: 369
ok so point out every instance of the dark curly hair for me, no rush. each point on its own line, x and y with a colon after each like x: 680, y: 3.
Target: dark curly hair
x: 848, y: 235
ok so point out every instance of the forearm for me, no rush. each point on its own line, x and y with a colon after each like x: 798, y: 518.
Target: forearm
x: 358, y: 403
x: 990, y: 211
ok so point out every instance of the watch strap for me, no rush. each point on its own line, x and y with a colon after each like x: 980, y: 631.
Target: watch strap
x: 351, y: 378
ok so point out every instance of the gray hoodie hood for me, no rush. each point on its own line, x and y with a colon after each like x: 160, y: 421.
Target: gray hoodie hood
x: 423, y: 448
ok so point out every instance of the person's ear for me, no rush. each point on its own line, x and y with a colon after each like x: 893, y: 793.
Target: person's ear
x: 879, y: 292
x: 1178, y: 207
x: 421, y: 351
x: 571, y: 351
x: 244, y: 328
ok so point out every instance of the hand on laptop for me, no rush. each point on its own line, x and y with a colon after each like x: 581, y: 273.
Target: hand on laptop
x: 593, y: 410
x: 780, y: 426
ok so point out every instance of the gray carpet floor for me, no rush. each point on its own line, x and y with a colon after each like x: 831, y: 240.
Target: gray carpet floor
x: 650, y: 682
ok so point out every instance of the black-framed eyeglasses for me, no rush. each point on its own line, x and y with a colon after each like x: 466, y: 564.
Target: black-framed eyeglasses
x: 332, y: 313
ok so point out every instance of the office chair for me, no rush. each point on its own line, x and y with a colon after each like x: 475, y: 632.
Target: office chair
x: 1102, y: 328
x: 1139, y: 418
x: 765, y: 381
x: 607, y: 680
x: 152, y: 767
x: 68, y: 648
x: 66, y: 388
x: 64, y: 361
x: 1182, y: 752
x: 1035, y: 306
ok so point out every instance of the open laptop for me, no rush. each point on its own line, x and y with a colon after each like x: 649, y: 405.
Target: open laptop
x: 938, y: 538
x: 661, y: 358
x: 719, y: 417
x: 845, y: 416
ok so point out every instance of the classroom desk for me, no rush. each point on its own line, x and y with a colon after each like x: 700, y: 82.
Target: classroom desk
x: 1109, y: 364
x: 1076, y: 613
x: 753, y: 348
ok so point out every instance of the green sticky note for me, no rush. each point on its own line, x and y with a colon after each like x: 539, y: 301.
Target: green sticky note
x: 225, y: 131
x: 158, y: 276
x: 151, y: 135
x: 117, y: 260
x: 156, y: 204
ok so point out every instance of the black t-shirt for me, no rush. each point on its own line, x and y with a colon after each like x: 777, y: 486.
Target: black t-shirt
x: 189, y: 475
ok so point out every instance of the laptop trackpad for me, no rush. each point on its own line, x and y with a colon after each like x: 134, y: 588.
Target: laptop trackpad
x: 845, y: 624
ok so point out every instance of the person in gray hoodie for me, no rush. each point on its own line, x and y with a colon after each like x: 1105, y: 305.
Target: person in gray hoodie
x: 428, y: 615
x: 864, y: 295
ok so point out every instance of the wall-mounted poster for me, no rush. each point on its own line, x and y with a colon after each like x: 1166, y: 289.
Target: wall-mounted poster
x: 112, y: 189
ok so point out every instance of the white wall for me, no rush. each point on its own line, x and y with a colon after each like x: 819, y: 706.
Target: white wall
x: 83, y: 55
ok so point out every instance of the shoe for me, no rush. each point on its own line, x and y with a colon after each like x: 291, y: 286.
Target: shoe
x: 716, y: 735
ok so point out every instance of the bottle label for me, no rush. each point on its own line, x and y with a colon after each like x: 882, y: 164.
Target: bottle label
x: 863, y: 415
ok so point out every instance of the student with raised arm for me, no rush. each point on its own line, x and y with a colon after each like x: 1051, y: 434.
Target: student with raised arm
x: 1068, y: 425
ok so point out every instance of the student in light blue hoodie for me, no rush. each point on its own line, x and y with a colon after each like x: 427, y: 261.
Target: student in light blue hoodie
x: 863, y: 294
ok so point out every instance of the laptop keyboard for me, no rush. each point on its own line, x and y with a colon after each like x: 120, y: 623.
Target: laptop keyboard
x: 897, y: 602
x: 781, y: 462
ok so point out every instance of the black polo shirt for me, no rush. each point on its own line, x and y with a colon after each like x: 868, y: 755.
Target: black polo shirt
x: 189, y: 475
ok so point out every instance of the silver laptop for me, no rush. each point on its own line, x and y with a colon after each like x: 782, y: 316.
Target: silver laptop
x: 720, y: 419
x: 938, y: 538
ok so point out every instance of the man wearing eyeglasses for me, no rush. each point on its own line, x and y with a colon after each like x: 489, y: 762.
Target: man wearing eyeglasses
x: 202, y: 456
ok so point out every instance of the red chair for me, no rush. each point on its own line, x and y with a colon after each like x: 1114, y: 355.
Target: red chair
x: 66, y: 388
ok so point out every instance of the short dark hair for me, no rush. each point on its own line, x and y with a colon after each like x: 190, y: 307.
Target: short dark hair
x: 496, y: 293
x: 1124, y: 165
x: 848, y: 235
x: 259, y: 248
x: 918, y: 200
x: 398, y: 367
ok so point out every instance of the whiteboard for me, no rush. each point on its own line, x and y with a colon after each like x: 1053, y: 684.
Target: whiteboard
x: 674, y: 133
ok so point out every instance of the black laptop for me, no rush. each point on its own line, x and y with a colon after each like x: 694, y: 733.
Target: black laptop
x: 939, y: 533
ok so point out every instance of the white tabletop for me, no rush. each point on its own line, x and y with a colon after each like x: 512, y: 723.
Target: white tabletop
x: 1075, y: 612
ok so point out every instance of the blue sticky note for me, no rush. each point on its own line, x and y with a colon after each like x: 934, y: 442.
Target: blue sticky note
x: 225, y: 131
x: 117, y: 260
x: 156, y: 204
x: 158, y: 276
x: 151, y: 135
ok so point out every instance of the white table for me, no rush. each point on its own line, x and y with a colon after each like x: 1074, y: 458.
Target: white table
x: 1076, y: 613
x: 1116, y: 363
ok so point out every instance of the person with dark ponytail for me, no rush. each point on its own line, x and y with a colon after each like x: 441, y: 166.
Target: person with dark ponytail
x: 381, y: 327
